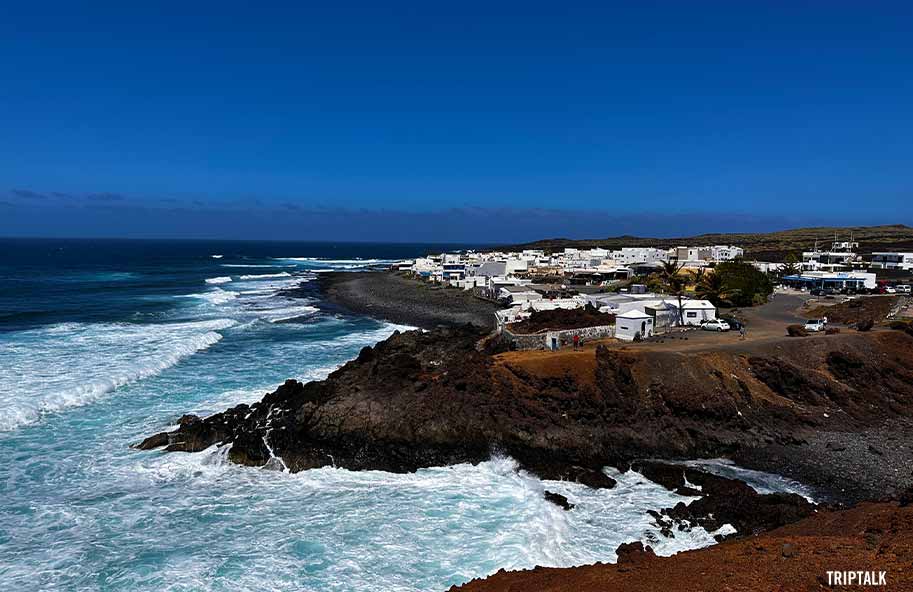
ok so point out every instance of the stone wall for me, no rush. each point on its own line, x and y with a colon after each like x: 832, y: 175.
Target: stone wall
x: 565, y: 337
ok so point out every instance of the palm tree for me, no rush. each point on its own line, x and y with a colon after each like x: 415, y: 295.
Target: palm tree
x: 712, y: 287
x: 674, y: 284
x: 790, y: 265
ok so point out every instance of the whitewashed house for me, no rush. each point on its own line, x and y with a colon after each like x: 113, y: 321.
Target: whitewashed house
x: 725, y: 252
x: 893, y: 260
x: 518, y: 295
x: 633, y: 323
x: 694, y: 312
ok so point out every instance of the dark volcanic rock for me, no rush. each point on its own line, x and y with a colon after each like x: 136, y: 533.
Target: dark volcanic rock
x: 723, y: 501
x: 433, y: 398
x: 630, y: 554
x: 559, y: 500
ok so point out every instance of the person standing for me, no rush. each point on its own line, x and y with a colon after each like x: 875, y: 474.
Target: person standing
x: 742, y: 332
x: 576, y: 342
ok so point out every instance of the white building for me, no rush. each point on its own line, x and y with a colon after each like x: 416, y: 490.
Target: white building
x: 832, y: 280
x: 694, y: 312
x: 634, y: 323
x: 518, y: 295
x: 841, y: 256
x: 725, y: 252
x: 884, y: 260
x: 556, y: 303
x: 632, y: 255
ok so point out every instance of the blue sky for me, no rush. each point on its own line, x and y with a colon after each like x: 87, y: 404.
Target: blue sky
x: 471, y: 121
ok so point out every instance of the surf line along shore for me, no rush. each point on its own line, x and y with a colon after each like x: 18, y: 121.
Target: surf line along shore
x: 450, y: 395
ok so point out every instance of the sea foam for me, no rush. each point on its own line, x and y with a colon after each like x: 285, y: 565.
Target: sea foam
x: 427, y: 530
x: 73, y: 364
x: 224, y: 279
x: 266, y: 276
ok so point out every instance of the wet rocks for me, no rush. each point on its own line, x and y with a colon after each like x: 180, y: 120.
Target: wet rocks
x: 632, y: 553
x: 722, y: 501
x: 558, y: 499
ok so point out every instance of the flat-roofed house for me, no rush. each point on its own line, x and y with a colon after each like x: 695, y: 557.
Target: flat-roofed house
x: 884, y: 260
x: 633, y: 324
x: 694, y: 312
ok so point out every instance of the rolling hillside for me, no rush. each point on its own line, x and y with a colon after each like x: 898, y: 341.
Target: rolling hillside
x: 771, y: 246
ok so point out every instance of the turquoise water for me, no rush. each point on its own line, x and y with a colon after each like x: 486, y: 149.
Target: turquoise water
x: 104, y: 343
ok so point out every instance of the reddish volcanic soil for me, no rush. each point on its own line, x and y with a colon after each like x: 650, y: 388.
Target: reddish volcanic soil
x: 868, y: 537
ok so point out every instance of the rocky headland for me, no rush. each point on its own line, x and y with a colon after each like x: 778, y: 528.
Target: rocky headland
x: 446, y: 396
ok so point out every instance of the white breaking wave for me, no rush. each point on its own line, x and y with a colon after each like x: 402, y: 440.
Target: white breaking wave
x: 415, y: 531
x: 223, y: 279
x: 217, y: 296
x: 216, y: 256
x: 757, y: 480
x: 73, y: 364
x: 253, y: 265
x: 278, y: 315
x: 339, y: 264
x: 342, y: 261
x: 266, y: 276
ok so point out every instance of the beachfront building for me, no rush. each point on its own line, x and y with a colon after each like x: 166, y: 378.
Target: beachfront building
x: 841, y: 257
x: 884, y: 260
x: 852, y: 280
x: 486, y: 272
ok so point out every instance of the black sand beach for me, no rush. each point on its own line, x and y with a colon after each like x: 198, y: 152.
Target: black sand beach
x: 400, y: 299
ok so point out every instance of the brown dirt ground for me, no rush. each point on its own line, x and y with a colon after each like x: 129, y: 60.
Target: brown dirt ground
x: 855, y: 310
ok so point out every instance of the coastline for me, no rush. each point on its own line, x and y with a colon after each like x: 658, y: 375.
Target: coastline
x: 393, y: 297
x: 815, y: 409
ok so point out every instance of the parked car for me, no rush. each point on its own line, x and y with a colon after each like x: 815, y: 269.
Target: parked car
x: 890, y: 290
x: 904, y: 289
x: 734, y: 323
x: 815, y: 325
x: 822, y: 292
x: 715, y: 325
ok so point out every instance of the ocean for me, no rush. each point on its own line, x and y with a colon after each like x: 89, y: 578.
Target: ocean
x: 105, y: 342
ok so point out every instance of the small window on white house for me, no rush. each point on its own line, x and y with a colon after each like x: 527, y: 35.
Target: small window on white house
x: 692, y: 315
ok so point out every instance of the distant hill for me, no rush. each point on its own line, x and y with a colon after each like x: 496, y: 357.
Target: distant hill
x: 768, y: 246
